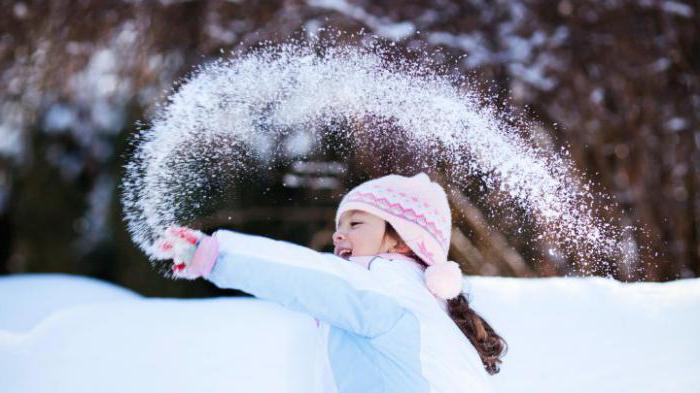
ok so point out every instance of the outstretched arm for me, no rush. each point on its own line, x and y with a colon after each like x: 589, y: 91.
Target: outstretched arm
x: 320, y: 284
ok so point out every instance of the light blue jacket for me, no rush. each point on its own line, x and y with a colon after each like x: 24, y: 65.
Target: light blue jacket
x: 380, y: 328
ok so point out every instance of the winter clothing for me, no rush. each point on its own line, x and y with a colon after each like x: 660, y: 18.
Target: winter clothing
x: 419, y: 211
x: 380, y: 329
x: 205, y: 256
x: 179, y: 244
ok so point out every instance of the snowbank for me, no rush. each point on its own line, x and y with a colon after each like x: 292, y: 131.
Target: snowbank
x: 565, y: 334
x: 27, y: 299
x: 594, y: 334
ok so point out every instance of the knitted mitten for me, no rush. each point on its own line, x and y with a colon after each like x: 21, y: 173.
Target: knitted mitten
x: 193, y: 252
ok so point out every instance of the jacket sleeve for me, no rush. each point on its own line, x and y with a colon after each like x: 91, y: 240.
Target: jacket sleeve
x: 323, y: 285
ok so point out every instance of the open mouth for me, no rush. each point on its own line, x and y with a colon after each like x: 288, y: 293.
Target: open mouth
x: 345, y: 253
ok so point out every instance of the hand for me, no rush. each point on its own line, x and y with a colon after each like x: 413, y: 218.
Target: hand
x: 180, y: 245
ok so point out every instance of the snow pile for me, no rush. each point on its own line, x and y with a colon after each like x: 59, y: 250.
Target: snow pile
x: 565, y: 335
x: 594, y: 334
x: 25, y: 300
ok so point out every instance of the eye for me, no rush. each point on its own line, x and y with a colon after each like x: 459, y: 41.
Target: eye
x: 354, y: 223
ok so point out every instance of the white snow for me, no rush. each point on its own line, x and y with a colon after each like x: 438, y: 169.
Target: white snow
x: 27, y: 299
x: 677, y: 8
x: 62, y: 333
x: 394, y: 31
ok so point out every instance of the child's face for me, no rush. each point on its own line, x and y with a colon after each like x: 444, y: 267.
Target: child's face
x: 360, y: 233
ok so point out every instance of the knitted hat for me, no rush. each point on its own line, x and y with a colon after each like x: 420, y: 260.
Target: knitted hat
x: 418, y: 209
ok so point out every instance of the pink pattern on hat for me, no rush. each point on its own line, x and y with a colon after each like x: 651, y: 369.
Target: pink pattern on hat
x: 424, y: 251
x: 403, y: 212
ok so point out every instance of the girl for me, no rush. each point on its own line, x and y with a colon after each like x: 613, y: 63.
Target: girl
x: 392, y: 320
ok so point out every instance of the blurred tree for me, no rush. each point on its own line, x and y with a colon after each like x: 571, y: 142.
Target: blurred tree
x: 616, y: 82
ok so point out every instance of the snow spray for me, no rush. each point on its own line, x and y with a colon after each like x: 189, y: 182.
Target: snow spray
x: 240, y: 104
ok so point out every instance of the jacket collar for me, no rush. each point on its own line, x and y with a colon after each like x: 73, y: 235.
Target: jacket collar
x: 365, y: 260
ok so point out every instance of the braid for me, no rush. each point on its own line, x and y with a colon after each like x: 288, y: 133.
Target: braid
x: 490, y: 346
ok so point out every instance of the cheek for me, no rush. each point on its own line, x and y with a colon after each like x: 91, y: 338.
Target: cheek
x: 374, y: 238
x: 365, y: 240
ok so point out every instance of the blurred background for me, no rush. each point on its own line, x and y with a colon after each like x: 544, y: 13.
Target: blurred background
x: 616, y: 81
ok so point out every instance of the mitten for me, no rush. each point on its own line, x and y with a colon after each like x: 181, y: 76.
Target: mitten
x: 182, y: 245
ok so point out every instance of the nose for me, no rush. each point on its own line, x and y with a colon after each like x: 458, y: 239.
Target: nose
x: 337, y: 236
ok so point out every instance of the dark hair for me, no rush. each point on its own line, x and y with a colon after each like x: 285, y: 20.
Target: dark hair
x: 490, y: 346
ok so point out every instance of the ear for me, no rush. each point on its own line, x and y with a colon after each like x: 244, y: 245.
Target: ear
x: 401, y: 248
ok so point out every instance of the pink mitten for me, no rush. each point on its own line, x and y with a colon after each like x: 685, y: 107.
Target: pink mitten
x: 181, y: 245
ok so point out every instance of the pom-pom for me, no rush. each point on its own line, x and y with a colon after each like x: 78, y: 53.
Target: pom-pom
x: 444, y: 279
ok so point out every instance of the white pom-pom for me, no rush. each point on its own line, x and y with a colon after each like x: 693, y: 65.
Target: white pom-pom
x: 444, y: 279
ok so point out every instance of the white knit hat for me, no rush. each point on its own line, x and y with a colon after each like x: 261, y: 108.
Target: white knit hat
x: 419, y: 211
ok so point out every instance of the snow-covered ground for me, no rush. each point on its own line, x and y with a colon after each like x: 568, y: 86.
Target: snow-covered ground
x: 62, y: 333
